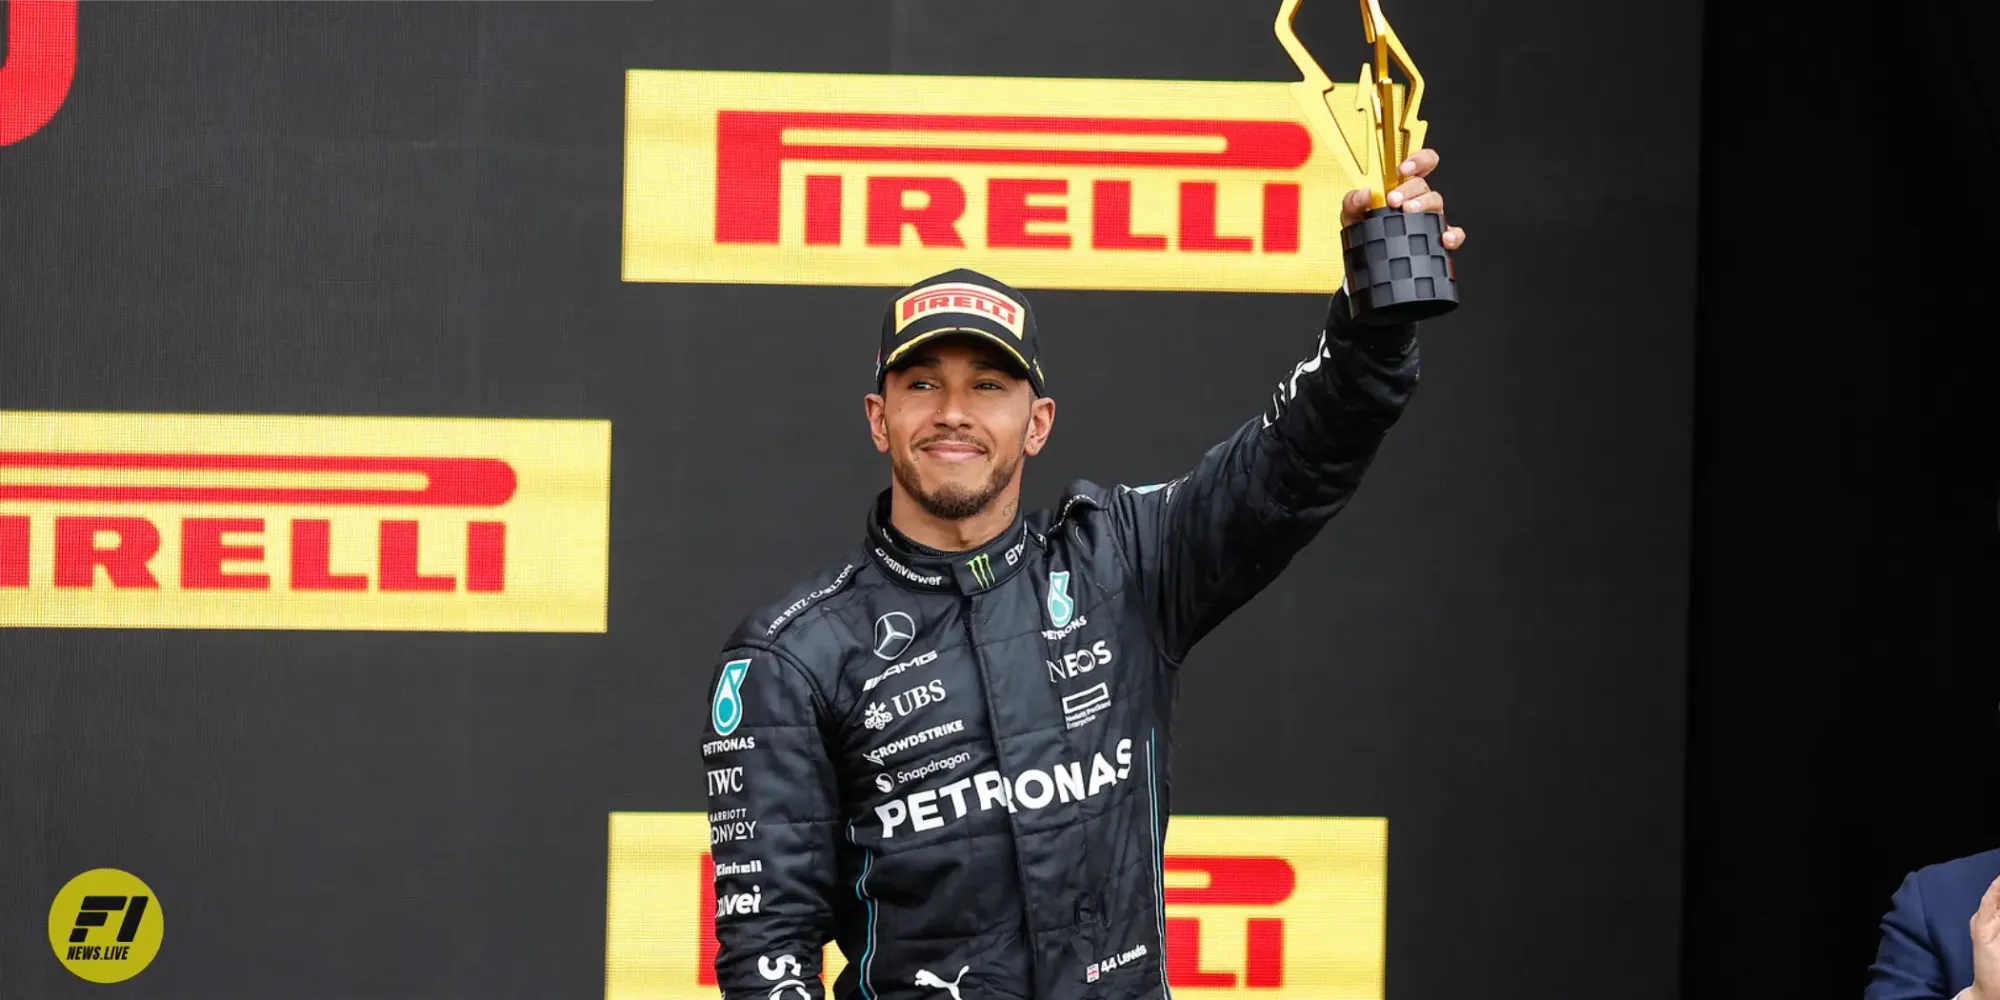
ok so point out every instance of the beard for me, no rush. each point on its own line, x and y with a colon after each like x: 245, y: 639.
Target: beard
x: 951, y: 502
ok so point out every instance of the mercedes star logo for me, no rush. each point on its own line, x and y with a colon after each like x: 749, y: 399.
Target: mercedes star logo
x: 893, y: 633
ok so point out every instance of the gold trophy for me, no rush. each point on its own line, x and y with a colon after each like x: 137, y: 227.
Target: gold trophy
x: 1398, y: 270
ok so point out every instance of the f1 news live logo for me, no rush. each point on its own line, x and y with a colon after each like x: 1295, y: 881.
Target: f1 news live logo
x: 106, y: 925
x: 37, y: 65
x: 196, y: 521
x: 1257, y: 907
x: 1055, y: 183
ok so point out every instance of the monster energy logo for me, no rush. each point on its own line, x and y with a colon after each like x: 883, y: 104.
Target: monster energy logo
x: 982, y: 569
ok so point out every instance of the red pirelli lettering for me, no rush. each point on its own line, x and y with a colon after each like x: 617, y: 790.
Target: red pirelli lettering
x: 1230, y: 881
x: 38, y: 65
x: 78, y: 554
x: 448, y: 482
x: 751, y: 151
x: 204, y: 550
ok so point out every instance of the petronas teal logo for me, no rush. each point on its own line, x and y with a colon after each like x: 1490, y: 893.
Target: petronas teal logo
x: 726, y: 712
x: 1060, y: 606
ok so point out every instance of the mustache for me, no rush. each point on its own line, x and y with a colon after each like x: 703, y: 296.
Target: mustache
x: 954, y: 438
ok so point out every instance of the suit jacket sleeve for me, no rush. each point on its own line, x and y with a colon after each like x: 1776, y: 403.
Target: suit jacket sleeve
x: 1206, y: 543
x: 1907, y: 964
x: 773, y: 819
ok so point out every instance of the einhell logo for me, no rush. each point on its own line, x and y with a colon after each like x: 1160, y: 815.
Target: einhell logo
x: 848, y: 179
x: 37, y: 64
x: 164, y: 521
x: 1281, y: 908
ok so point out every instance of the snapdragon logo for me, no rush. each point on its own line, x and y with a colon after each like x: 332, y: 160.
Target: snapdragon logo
x: 1031, y: 789
x: 926, y: 770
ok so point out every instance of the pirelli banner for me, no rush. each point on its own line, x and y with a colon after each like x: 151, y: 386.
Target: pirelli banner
x: 1256, y: 907
x: 855, y: 179
x: 199, y: 521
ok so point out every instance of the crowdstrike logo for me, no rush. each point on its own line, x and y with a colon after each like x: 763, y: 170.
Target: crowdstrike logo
x: 1031, y: 789
x: 916, y: 739
x: 893, y: 634
x: 928, y: 580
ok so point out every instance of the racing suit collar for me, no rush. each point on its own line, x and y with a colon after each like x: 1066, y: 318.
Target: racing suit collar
x: 970, y: 572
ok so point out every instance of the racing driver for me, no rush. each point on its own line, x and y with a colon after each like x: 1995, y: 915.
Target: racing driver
x: 950, y: 754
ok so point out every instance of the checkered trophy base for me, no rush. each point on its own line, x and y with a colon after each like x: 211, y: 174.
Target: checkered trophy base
x: 1398, y: 270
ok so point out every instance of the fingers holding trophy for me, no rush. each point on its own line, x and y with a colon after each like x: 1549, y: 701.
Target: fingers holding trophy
x: 1399, y: 267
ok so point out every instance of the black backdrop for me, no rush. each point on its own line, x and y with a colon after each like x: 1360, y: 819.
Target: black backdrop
x: 1845, y: 646
x: 413, y: 209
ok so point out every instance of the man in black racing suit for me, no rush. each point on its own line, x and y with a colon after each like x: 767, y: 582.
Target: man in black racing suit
x: 951, y: 754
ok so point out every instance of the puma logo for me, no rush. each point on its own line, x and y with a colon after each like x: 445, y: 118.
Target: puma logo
x: 927, y: 978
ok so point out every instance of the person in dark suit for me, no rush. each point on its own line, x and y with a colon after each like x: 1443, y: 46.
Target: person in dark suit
x: 1941, y: 936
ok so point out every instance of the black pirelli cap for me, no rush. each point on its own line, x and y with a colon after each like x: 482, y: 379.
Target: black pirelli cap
x: 961, y: 301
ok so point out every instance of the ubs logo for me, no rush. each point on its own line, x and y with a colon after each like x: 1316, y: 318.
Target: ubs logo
x: 37, y: 66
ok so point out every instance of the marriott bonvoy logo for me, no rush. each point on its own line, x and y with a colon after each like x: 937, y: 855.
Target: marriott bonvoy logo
x: 852, y: 179
x: 186, y: 521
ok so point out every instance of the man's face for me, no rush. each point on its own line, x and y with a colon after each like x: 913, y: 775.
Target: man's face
x: 955, y: 421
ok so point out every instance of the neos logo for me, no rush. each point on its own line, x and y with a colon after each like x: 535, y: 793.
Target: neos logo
x: 38, y: 65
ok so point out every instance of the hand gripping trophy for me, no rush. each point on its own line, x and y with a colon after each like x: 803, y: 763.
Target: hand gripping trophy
x: 1398, y: 270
